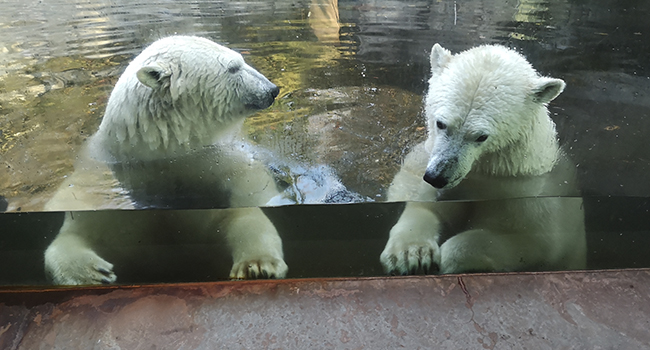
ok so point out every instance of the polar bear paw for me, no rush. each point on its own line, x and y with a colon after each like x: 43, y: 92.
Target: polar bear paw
x: 81, y: 268
x: 402, y: 256
x: 477, y: 251
x: 260, y: 267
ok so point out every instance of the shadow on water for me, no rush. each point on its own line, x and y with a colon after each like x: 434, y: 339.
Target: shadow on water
x: 351, y: 93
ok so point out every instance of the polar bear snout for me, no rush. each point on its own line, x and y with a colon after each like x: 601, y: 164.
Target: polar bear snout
x: 443, y: 172
x: 264, y: 99
x: 436, y: 180
x: 271, y: 94
x: 264, y: 94
x: 274, y: 92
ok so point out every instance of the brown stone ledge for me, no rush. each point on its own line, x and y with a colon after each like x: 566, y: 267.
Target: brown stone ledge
x: 556, y: 310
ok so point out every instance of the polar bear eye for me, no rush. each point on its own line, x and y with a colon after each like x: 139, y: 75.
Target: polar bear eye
x: 233, y: 69
x: 155, y: 74
x: 482, y: 138
x: 441, y: 125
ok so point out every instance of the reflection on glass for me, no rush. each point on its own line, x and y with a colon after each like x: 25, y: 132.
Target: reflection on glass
x: 351, y: 75
x: 78, y: 255
x: 318, y: 240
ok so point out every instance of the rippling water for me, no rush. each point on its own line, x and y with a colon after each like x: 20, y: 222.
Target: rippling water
x: 59, y: 60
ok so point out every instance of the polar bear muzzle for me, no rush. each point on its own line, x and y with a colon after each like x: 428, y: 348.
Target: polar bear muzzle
x: 442, y: 173
x: 261, y: 93
x: 436, y: 180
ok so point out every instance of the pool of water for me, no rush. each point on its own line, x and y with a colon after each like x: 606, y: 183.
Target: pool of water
x: 351, y: 72
x: 352, y: 75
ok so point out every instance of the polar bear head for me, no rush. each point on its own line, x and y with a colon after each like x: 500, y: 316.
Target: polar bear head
x: 181, y: 93
x: 486, y: 111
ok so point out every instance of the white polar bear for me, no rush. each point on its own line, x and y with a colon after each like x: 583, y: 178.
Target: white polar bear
x: 166, y: 134
x: 492, y: 146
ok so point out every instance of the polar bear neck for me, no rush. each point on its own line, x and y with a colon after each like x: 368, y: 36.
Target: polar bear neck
x: 532, y: 155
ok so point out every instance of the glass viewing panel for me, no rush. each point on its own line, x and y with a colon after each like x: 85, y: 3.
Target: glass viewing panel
x: 302, y: 188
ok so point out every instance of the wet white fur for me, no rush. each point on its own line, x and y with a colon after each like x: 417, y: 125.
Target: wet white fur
x: 178, y: 96
x: 197, y: 103
x: 487, y: 90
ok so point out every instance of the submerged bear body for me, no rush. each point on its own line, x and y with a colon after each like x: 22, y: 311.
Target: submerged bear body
x: 169, y: 134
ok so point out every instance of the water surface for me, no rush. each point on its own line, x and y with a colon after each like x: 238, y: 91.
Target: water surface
x: 352, y: 74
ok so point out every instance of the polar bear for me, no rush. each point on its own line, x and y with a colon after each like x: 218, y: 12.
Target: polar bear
x: 493, y: 149
x: 167, y: 136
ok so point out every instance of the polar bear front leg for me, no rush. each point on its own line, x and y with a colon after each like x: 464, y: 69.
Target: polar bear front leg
x: 70, y: 261
x: 413, y: 241
x: 255, y: 244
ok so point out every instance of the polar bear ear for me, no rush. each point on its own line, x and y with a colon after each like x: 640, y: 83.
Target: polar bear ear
x: 547, y: 89
x: 440, y: 57
x: 153, y: 76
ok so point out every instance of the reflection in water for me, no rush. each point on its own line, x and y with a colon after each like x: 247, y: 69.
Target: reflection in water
x: 324, y: 20
x: 360, y: 133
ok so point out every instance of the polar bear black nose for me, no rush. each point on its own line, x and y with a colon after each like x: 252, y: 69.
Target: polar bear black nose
x: 437, y: 181
x: 275, y: 91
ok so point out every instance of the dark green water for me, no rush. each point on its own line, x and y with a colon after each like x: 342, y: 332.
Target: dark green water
x: 318, y: 240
